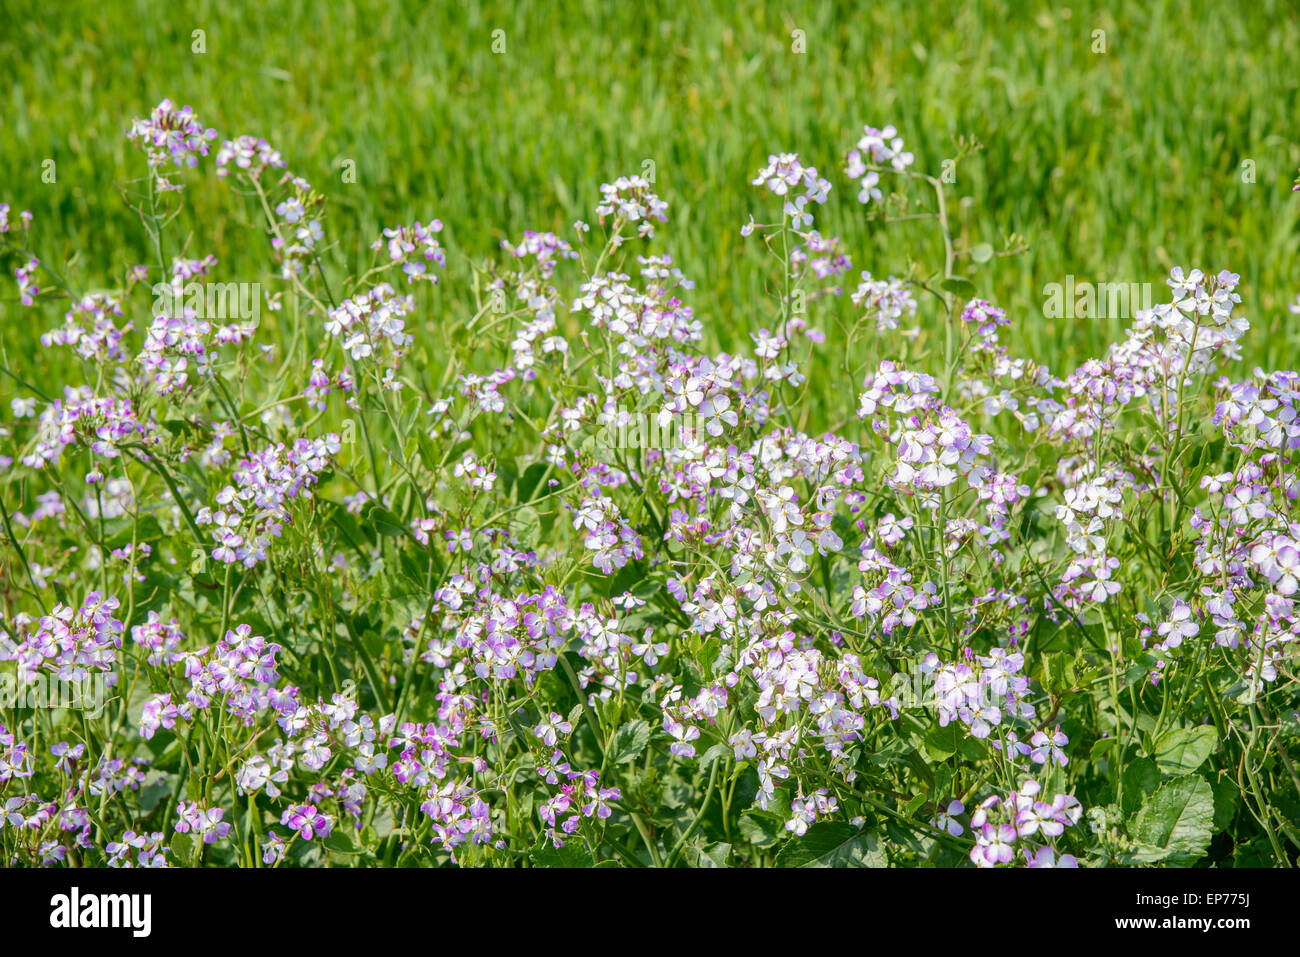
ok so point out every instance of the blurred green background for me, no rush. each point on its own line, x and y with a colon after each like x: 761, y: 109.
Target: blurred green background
x: 1114, y: 166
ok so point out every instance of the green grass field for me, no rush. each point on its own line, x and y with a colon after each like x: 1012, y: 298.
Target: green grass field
x: 1113, y: 166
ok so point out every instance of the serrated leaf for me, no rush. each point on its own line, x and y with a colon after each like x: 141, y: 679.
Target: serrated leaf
x: 629, y: 741
x: 1175, y: 823
x: 832, y: 844
x: 1183, y: 750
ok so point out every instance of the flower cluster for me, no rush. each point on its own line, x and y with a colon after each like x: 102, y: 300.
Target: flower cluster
x: 102, y: 425
x: 68, y: 642
x: 250, y: 155
x: 171, y: 134
x: 886, y: 301
x: 373, y: 324
x: 877, y: 147
x: 1001, y: 825
x: 582, y: 577
x: 89, y: 330
x: 630, y: 198
x: 414, y: 246
x: 254, y: 510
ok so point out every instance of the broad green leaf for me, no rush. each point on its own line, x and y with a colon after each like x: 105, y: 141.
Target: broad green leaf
x: 715, y: 753
x: 940, y: 743
x: 711, y: 855
x: 981, y: 253
x: 572, y: 854
x: 760, y: 828
x: 382, y: 520
x: 527, y: 484
x: 1141, y: 779
x: 959, y: 286
x: 1176, y: 823
x: 1059, y: 673
x: 832, y: 844
x: 120, y: 532
x: 706, y: 654
x: 526, y: 527
x: 340, y: 841
x: 629, y: 741
x: 182, y: 848
x: 1226, y: 797
x: 1183, y: 750
x: 1102, y: 748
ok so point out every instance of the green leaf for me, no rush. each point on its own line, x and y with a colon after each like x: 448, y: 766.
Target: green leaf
x: 382, y: 823
x: 832, y: 844
x: 526, y: 527
x: 1059, y: 673
x: 572, y: 854
x: 711, y: 855
x: 629, y: 741
x: 715, y: 753
x: 528, y: 481
x: 340, y: 841
x: 981, y: 253
x: 958, y: 286
x: 760, y: 828
x: 575, y: 714
x: 1141, y: 779
x: 1183, y: 750
x: 1226, y: 797
x: 1176, y: 823
x: 1101, y: 748
x: 183, y: 849
x: 941, y: 743
x: 382, y: 520
x: 706, y: 654
x: 120, y: 532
